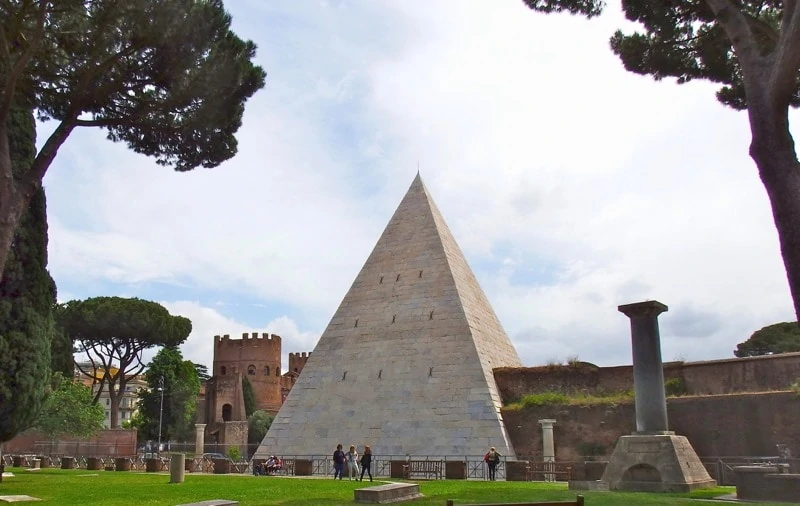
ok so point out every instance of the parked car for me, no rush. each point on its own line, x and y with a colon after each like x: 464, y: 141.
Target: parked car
x: 212, y: 456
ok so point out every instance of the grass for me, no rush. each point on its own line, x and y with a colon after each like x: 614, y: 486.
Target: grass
x: 577, y: 399
x: 67, y: 487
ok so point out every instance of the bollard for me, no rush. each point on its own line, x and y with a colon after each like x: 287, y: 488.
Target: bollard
x: 177, y: 467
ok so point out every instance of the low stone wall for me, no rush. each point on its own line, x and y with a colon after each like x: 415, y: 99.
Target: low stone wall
x: 725, y: 425
x: 714, y: 377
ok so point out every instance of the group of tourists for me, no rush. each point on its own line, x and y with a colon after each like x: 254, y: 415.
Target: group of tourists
x: 352, y: 461
x: 272, y: 465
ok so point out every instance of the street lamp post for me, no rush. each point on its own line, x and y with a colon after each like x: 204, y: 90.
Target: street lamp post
x: 160, y: 413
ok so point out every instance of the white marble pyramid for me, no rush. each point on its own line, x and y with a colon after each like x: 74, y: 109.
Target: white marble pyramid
x: 405, y: 364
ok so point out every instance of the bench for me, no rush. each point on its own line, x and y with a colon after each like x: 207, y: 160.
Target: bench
x: 577, y: 502
x: 427, y: 468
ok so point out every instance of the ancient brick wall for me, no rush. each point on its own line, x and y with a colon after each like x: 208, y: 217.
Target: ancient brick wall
x: 750, y: 374
x: 748, y: 424
x: 109, y: 442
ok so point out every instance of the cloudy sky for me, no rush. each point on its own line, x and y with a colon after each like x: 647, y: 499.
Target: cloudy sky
x: 571, y: 185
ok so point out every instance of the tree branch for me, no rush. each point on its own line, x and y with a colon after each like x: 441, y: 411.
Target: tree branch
x: 785, y: 59
x: 737, y: 28
x: 761, y: 26
x: 32, y: 179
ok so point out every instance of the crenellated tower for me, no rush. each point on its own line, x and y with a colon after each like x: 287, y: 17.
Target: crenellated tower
x: 256, y: 358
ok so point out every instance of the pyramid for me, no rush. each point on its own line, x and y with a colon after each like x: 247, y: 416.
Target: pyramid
x: 405, y: 364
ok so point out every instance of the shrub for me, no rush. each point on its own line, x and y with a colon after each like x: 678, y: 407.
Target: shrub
x: 675, y: 387
x: 234, y: 453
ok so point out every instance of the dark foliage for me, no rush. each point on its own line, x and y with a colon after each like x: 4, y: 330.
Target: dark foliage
x: 27, y: 295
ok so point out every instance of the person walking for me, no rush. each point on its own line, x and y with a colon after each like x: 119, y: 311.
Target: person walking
x: 492, y: 458
x: 338, y: 462
x: 351, y: 457
x: 366, y: 463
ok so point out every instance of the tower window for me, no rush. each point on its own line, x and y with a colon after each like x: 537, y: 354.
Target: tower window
x: 223, y: 370
x: 251, y: 370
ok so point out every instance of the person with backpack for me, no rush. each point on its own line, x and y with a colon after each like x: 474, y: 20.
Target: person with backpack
x: 338, y: 462
x: 492, y: 458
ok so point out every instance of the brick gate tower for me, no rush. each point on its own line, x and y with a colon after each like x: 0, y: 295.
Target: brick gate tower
x: 256, y: 358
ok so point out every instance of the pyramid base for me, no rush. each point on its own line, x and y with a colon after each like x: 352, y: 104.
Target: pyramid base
x: 656, y: 463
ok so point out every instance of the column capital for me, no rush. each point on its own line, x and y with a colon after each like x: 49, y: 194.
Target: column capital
x: 648, y: 308
x: 199, y: 426
x: 547, y: 423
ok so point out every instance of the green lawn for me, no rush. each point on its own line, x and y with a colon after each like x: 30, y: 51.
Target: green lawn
x: 107, y: 488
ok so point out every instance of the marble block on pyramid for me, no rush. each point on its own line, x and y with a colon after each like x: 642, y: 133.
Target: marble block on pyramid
x: 405, y: 364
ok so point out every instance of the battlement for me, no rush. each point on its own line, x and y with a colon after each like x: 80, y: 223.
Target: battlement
x: 297, y: 361
x: 248, y: 339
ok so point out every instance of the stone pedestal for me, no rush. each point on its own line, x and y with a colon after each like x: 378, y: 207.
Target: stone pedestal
x: 304, y: 467
x: 152, y: 465
x: 221, y: 466
x: 656, y: 463
x: 122, y: 464
x: 67, y: 462
x: 653, y: 459
x: 199, y: 438
x: 93, y: 464
x: 177, y: 467
x: 396, y: 468
x: 455, y: 470
x: 517, y: 470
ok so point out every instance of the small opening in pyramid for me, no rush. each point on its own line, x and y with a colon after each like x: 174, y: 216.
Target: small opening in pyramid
x: 430, y: 372
x: 380, y: 373
x: 398, y: 278
x: 393, y: 317
x: 344, y: 375
x: 356, y: 325
x: 430, y: 316
x: 380, y: 281
x: 420, y: 273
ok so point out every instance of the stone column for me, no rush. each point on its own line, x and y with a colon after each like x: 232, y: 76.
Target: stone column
x: 648, y: 371
x: 199, y: 438
x: 548, y: 448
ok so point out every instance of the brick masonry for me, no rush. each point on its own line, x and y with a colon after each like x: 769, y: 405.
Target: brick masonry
x: 405, y: 364
x: 712, y: 377
x: 747, y: 424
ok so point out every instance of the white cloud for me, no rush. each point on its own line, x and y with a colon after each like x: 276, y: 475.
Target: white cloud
x: 571, y: 185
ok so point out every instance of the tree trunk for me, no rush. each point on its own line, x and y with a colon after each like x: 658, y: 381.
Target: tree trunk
x: 12, y: 201
x: 772, y: 148
x: 113, y: 394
